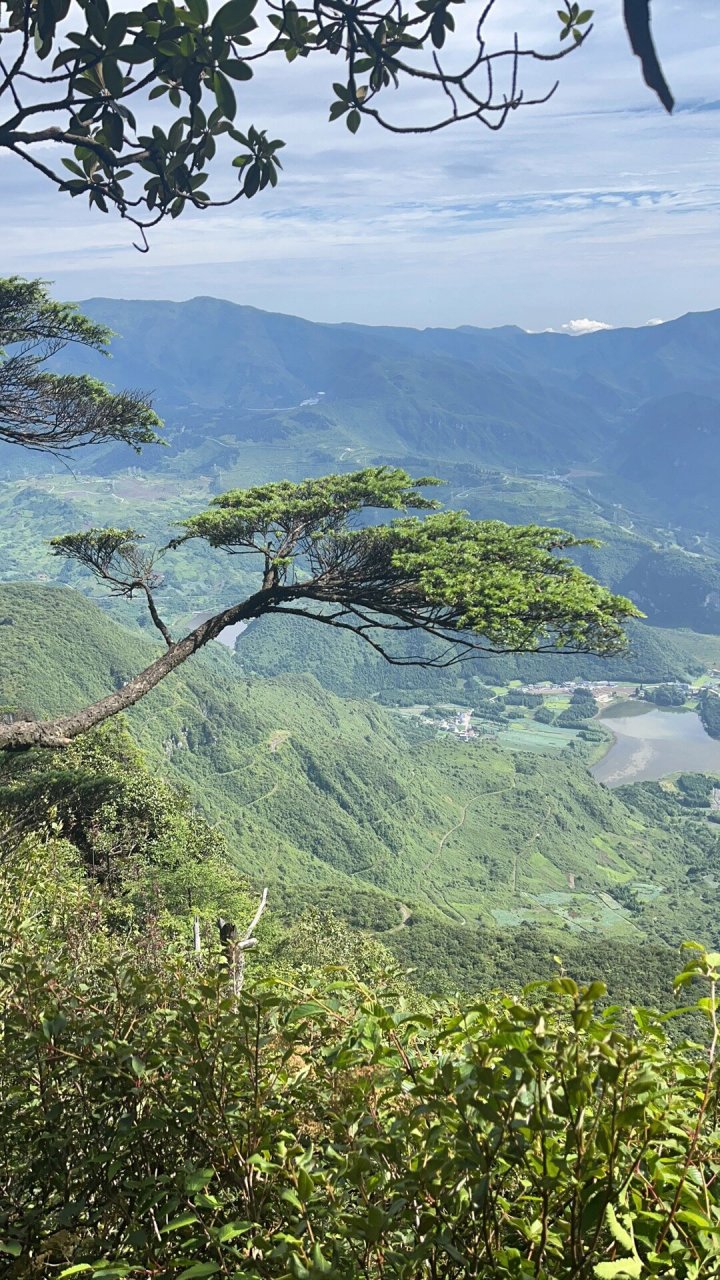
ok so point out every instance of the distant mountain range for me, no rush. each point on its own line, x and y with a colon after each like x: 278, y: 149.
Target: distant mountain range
x: 614, y: 434
x: 641, y: 406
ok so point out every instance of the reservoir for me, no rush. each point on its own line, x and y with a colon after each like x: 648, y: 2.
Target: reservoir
x: 651, y: 742
x: 226, y: 637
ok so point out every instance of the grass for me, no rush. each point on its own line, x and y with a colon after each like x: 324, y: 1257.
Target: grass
x: 530, y: 735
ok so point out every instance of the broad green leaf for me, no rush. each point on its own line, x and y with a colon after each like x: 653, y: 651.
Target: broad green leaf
x: 697, y: 1220
x: 184, y: 1220
x: 622, y: 1267
x: 198, y: 1179
x: 224, y: 95
x: 237, y: 69
x: 199, y: 9
x: 232, y: 16
x: 230, y: 1231
x: 618, y: 1230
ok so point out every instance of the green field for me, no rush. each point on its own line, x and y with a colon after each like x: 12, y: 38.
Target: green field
x: 528, y: 735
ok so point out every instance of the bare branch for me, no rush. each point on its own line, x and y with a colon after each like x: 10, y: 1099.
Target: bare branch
x: 193, y: 66
x: 637, y: 22
x: 236, y: 947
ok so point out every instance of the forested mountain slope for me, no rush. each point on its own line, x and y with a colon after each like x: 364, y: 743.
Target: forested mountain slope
x: 613, y: 435
x: 493, y: 858
x: 499, y: 397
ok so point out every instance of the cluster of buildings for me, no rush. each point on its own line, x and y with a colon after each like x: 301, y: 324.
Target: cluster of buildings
x: 604, y: 690
x: 460, y: 725
x: 601, y: 690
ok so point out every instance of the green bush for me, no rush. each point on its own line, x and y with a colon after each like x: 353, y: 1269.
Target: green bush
x: 667, y: 695
x: 154, y: 1125
x: 582, y: 708
x: 697, y: 787
x: 140, y: 839
x: 710, y: 713
x: 545, y: 715
x: 515, y: 697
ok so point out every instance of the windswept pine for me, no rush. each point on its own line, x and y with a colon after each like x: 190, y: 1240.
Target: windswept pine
x: 43, y: 410
x: 471, y: 586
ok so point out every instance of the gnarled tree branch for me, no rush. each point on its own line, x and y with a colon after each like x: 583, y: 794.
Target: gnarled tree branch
x: 474, y: 586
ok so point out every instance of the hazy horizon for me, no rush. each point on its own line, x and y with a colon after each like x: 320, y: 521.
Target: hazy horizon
x: 575, y: 328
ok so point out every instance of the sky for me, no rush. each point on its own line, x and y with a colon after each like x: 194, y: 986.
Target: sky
x: 594, y: 209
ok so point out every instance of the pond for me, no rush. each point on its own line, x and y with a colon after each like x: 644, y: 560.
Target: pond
x: 226, y: 637
x: 651, y: 742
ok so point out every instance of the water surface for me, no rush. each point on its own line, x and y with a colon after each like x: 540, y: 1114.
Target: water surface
x: 227, y: 636
x: 651, y: 742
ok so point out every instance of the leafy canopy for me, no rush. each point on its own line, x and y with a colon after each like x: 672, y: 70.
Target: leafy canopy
x: 507, y: 584
x: 472, y: 585
x: 49, y: 411
x: 137, y: 103
x: 482, y: 584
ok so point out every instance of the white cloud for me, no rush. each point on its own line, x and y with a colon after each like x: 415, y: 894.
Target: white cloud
x: 577, y: 327
x: 596, y: 202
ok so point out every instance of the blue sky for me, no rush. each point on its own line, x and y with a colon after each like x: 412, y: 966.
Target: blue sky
x: 595, y: 206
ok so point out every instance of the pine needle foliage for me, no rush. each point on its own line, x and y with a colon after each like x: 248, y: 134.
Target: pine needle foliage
x: 43, y: 410
x: 469, y: 585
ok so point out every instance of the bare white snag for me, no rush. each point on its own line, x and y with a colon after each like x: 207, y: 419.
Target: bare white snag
x: 236, y: 946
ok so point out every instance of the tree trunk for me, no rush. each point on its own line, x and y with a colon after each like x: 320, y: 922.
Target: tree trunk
x: 23, y: 734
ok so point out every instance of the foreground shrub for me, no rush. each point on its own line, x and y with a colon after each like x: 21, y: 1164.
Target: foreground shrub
x: 152, y: 1126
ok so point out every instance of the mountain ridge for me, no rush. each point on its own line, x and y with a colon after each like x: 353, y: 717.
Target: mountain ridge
x: 486, y: 391
x: 336, y: 801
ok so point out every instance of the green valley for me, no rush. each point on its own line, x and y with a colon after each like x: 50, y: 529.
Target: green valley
x: 473, y: 862
x: 359, y: 663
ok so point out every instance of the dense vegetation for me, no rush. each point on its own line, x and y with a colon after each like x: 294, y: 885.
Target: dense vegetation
x: 581, y: 709
x: 319, y: 1124
x: 667, y: 695
x: 345, y: 1112
x: 346, y: 807
x: 710, y: 713
x: 139, y: 839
